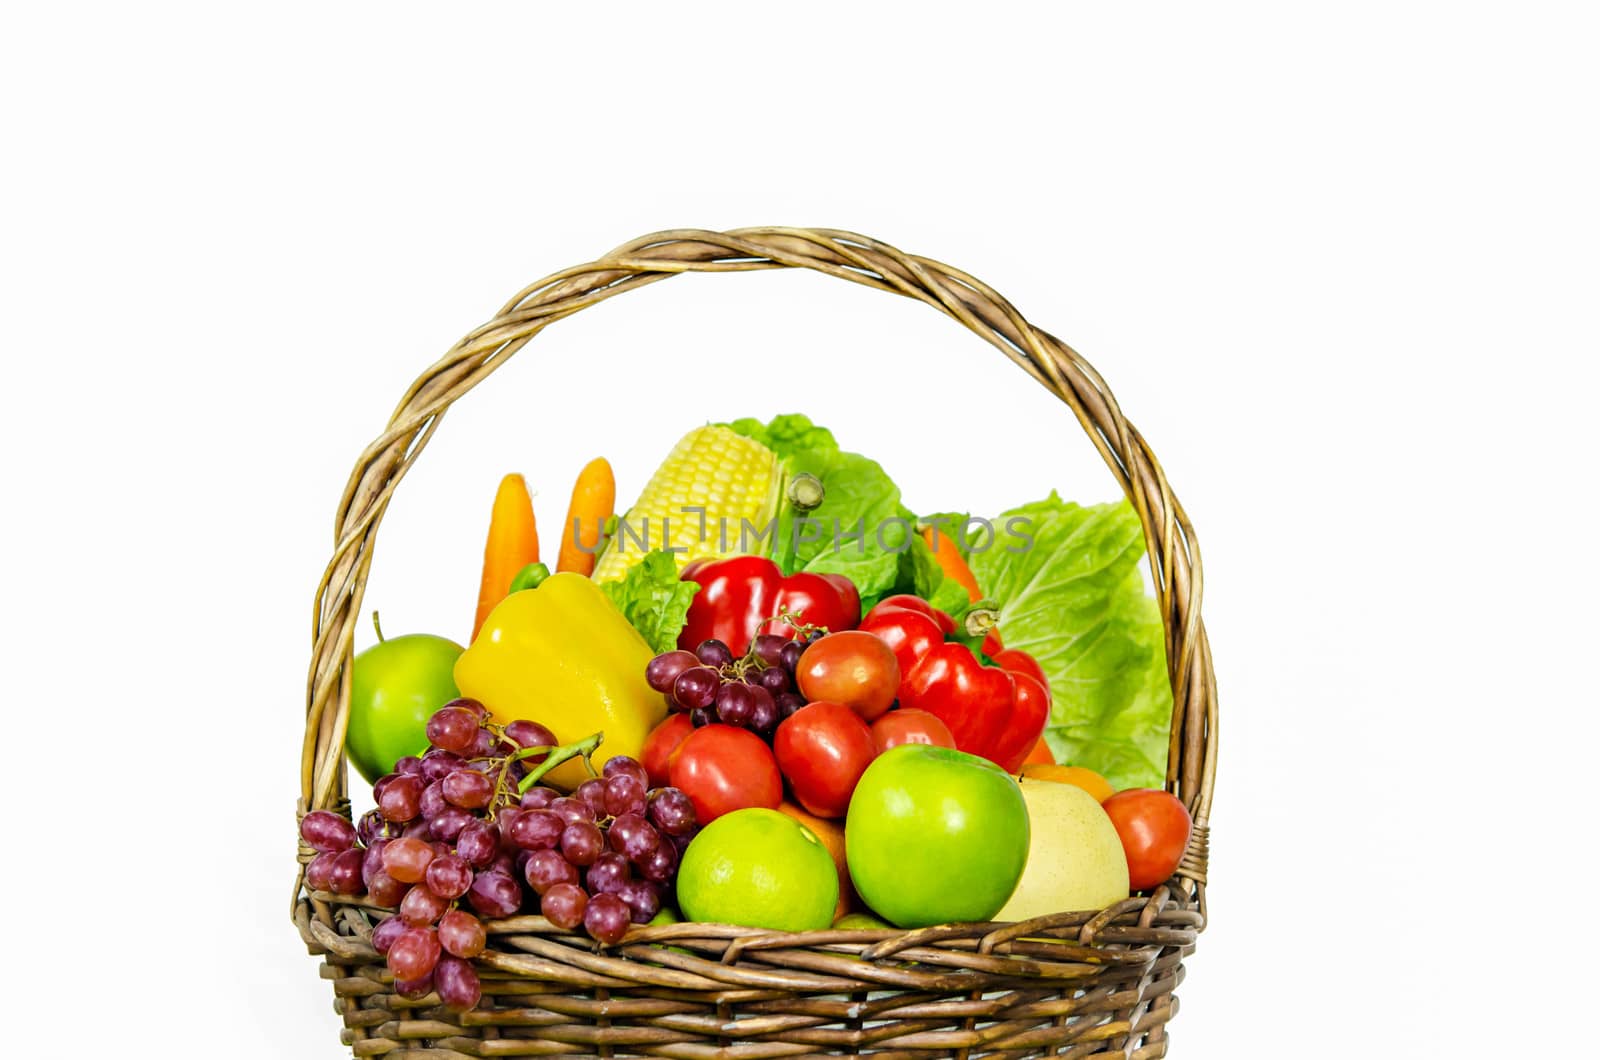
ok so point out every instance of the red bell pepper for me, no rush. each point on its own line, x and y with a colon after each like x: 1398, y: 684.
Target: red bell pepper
x: 740, y: 596
x: 994, y: 711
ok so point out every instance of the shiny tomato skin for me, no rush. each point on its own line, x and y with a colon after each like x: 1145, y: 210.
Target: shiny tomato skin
x: 823, y: 748
x: 910, y: 726
x: 854, y: 668
x: 723, y: 769
x: 659, y: 746
x: 1154, y: 827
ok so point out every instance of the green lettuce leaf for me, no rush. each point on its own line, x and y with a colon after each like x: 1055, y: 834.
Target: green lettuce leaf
x: 890, y: 556
x: 786, y: 434
x: 1127, y: 741
x: 857, y: 495
x: 1070, y: 592
x: 653, y: 599
x: 920, y: 574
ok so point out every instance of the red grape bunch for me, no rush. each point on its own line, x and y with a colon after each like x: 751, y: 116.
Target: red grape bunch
x: 755, y: 692
x: 464, y: 823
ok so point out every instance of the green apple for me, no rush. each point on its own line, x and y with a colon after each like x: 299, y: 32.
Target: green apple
x: 934, y: 835
x: 396, y: 686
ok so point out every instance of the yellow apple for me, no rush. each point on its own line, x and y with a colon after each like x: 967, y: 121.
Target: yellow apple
x: 1075, y: 860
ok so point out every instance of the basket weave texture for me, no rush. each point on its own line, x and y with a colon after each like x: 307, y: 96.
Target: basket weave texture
x: 1074, y: 984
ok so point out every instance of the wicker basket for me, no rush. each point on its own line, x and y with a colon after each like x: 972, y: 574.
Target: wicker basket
x: 1085, y: 983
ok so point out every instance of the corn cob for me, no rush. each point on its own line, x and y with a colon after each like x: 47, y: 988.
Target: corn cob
x: 735, y: 480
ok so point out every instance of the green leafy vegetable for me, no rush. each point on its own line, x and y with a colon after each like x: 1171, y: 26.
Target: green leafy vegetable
x: 861, y: 529
x: 1075, y: 600
x: 787, y: 434
x: 654, y: 599
x: 921, y: 574
x: 856, y: 531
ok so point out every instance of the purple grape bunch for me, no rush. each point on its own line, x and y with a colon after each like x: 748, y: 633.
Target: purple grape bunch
x: 453, y: 832
x: 755, y: 692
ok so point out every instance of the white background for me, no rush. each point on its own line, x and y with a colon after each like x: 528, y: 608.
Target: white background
x: 1339, y: 266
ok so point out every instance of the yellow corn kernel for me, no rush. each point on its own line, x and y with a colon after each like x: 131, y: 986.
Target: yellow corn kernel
x: 734, y: 479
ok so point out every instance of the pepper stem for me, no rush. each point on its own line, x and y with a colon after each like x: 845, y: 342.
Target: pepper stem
x: 975, y: 623
x: 530, y: 577
x: 805, y: 494
x: 792, y: 619
x: 978, y: 621
x: 584, y: 747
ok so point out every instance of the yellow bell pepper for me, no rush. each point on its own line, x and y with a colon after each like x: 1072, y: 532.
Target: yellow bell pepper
x: 561, y: 654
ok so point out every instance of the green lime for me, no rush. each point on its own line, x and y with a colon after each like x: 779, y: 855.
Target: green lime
x: 758, y: 868
x: 861, y: 922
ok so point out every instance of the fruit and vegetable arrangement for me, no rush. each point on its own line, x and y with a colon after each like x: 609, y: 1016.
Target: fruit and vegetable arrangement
x: 768, y: 695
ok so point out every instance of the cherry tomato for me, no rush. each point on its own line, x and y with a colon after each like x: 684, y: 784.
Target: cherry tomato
x: 910, y: 726
x: 823, y: 748
x: 723, y: 769
x: 659, y: 745
x: 854, y: 668
x: 1154, y: 828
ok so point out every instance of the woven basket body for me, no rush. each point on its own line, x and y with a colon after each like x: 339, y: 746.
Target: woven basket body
x: 1080, y: 983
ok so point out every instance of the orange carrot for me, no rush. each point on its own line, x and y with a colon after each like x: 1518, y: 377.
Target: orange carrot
x: 951, y: 561
x: 513, y: 544
x: 594, y: 496
x: 1040, y: 755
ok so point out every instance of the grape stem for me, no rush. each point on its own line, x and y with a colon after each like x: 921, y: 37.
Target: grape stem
x: 736, y: 670
x: 792, y: 618
x: 584, y: 748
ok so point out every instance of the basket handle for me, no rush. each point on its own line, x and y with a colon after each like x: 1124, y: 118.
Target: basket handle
x: 1169, y: 538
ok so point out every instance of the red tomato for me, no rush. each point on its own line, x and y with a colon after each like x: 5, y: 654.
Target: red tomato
x: 910, y: 726
x: 723, y: 769
x: 854, y: 668
x: 659, y: 745
x: 823, y: 748
x: 1154, y: 828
